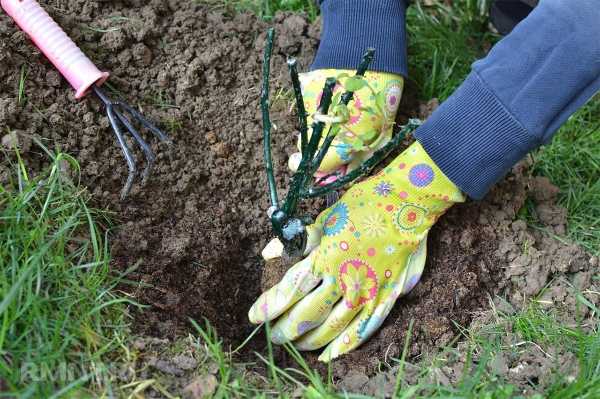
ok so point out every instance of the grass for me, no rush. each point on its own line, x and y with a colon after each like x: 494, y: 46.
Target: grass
x: 266, y: 8
x: 533, y: 333
x: 572, y: 162
x: 443, y: 43
x: 116, y: 20
x: 61, y: 316
x: 22, y: 79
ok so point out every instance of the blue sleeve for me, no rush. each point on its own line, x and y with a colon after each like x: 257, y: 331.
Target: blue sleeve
x: 516, y: 98
x: 513, y: 101
x: 352, y: 26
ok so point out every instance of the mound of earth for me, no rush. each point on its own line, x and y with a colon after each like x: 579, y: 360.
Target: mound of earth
x: 196, y: 229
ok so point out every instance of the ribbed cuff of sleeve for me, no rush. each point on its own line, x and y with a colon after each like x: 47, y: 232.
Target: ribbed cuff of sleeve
x: 474, y: 139
x: 352, y: 26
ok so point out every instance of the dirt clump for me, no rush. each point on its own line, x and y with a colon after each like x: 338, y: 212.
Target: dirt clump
x: 273, y: 272
x: 180, y: 367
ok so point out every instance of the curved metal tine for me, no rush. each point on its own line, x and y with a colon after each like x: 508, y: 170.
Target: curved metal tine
x: 149, y: 125
x: 126, y: 151
x: 150, y: 157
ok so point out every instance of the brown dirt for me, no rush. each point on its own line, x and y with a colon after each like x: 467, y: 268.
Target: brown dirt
x: 196, y: 229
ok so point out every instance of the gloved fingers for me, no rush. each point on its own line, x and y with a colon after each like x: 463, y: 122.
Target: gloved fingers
x: 307, y: 314
x: 370, y: 319
x: 274, y: 249
x: 348, y: 339
x: 361, y: 156
x: 297, y: 282
x: 338, y: 155
x: 358, y: 330
x: 336, y: 322
x: 414, y: 268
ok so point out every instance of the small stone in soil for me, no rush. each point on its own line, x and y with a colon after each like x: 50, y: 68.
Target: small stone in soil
x: 353, y: 382
x: 165, y: 366
x: 201, y: 387
x: 185, y: 362
x: 16, y: 139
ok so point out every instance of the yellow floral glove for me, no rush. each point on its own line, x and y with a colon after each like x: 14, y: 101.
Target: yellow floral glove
x: 364, y: 252
x: 369, y: 124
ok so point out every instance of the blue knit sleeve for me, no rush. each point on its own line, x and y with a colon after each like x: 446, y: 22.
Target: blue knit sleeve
x: 517, y: 97
x: 352, y: 26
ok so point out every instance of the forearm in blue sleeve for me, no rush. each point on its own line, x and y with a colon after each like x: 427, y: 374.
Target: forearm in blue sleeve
x: 516, y: 98
x: 352, y: 26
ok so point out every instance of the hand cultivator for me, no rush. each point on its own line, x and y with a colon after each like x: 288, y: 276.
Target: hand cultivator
x: 288, y: 227
x: 85, y: 77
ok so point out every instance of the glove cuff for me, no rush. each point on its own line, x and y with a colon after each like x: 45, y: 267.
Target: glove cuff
x: 474, y: 139
x: 420, y: 181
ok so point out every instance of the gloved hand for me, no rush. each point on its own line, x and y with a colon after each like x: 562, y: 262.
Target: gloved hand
x: 364, y: 252
x: 369, y: 124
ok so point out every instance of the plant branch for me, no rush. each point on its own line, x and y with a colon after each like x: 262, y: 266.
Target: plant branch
x: 366, y: 166
x: 302, y: 123
x: 346, y: 98
x: 264, y: 104
x: 302, y: 175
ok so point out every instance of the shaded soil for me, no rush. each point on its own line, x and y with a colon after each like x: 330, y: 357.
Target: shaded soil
x: 196, y: 229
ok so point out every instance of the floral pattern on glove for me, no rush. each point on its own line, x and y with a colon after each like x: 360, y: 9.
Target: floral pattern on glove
x: 361, y: 120
x: 369, y: 249
x: 337, y: 220
x: 358, y: 282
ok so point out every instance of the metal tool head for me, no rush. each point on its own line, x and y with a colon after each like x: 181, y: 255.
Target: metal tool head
x: 121, y: 115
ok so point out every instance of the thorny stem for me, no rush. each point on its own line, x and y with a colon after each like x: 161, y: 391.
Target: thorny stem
x: 302, y: 124
x: 264, y: 104
x: 346, y: 98
x: 302, y: 176
x: 366, y: 166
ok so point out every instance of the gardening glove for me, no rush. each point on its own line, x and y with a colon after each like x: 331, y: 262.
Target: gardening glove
x: 364, y: 252
x: 368, y: 125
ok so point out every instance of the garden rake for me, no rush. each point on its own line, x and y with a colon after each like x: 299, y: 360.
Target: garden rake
x: 85, y: 77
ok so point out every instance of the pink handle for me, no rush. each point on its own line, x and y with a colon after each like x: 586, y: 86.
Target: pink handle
x: 55, y: 44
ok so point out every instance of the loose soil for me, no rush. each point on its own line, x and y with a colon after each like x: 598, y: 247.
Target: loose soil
x: 196, y: 229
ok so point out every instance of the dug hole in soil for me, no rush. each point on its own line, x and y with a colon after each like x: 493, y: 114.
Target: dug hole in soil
x: 197, y: 227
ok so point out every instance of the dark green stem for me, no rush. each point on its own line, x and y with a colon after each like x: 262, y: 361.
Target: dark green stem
x: 264, y: 104
x: 360, y: 71
x: 346, y: 98
x: 302, y: 175
x: 302, y: 123
x: 366, y: 166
